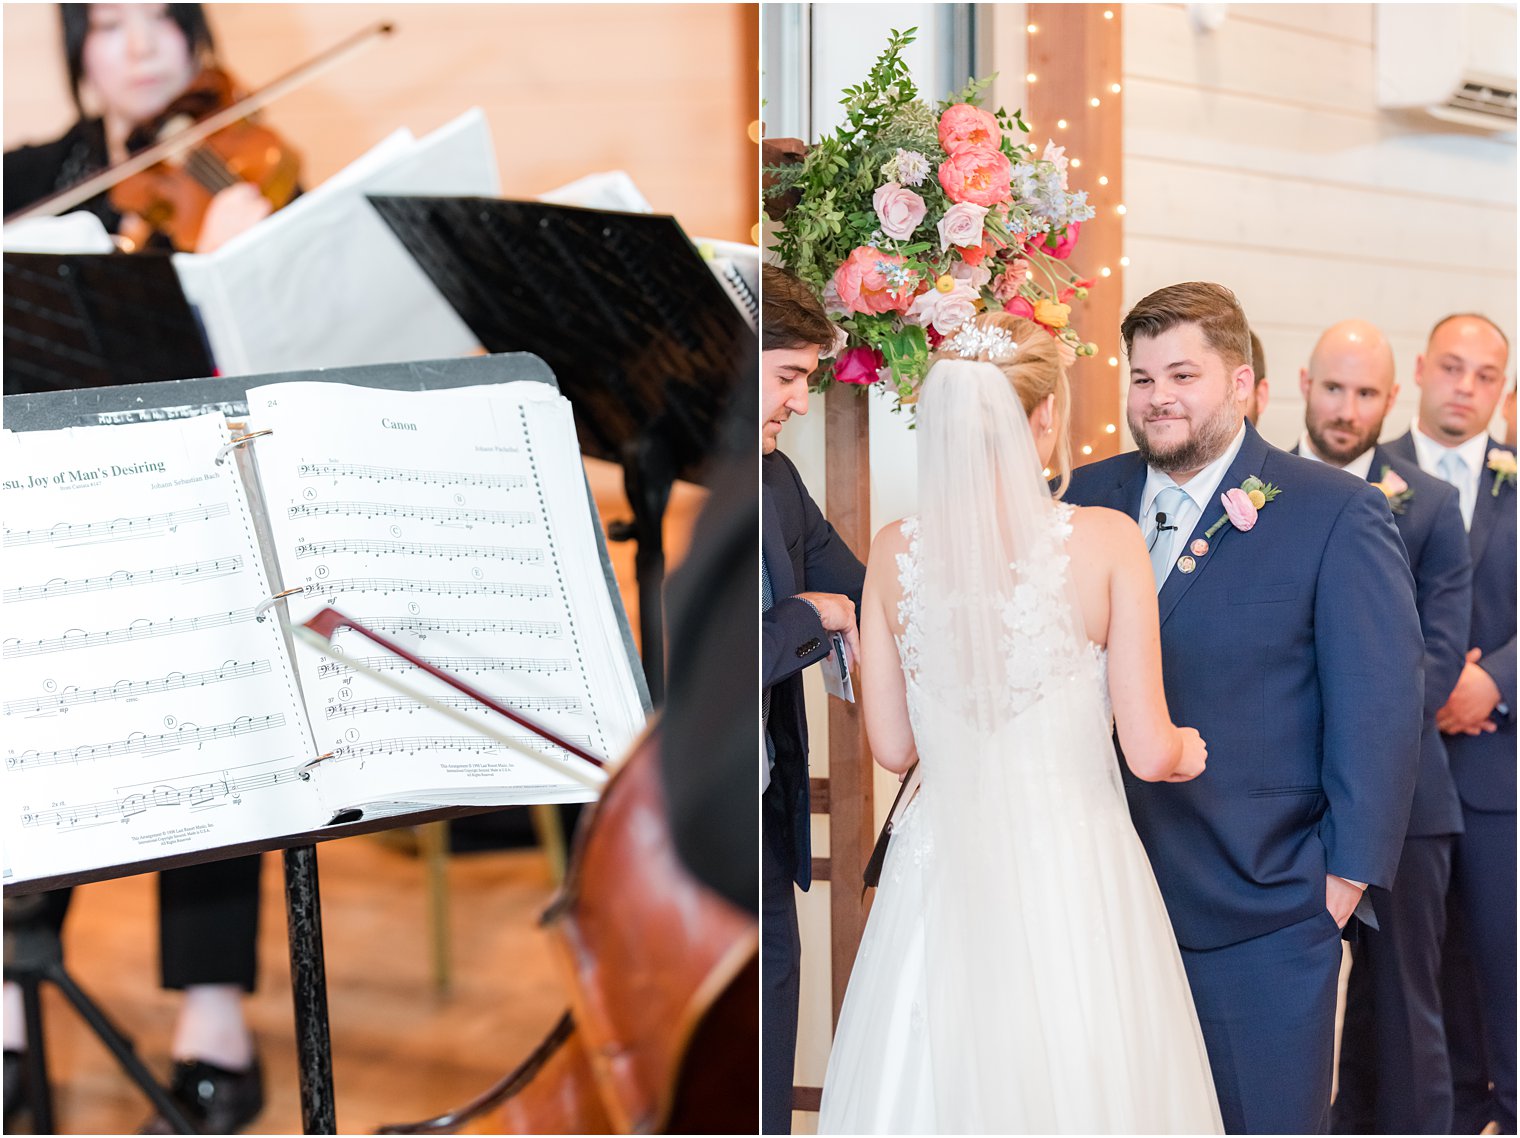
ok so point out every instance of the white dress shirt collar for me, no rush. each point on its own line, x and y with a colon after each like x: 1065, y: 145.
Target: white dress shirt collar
x: 1200, y: 488
x: 1474, y: 455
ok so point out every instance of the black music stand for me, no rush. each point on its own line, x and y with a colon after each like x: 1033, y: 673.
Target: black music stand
x: 645, y: 343
x: 34, y: 961
x: 78, y: 320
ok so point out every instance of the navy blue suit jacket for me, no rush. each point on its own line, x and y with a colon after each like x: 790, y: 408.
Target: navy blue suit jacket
x: 1483, y: 766
x: 803, y: 554
x: 1430, y: 525
x: 1295, y: 650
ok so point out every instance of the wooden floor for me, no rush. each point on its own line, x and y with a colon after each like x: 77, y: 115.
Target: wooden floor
x: 401, y: 1051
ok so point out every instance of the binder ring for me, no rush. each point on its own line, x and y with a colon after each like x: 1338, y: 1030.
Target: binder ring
x: 270, y: 602
x: 240, y: 441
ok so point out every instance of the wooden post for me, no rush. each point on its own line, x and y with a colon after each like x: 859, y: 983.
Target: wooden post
x: 1076, y: 56
x: 851, y: 818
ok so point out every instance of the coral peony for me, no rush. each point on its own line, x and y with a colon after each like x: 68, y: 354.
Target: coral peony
x: 963, y: 126
x: 899, y: 209
x: 859, y: 365
x: 871, y: 281
x: 978, y: 175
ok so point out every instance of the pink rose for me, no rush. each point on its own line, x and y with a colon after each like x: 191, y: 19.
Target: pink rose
x: 978, y: 175
x: 961, y: 225
x: 1019, y: 306
x: 977, y: 276
x: 1008, y: 283
x: 1063, y: 245
x: 1237, y: 505
x: 900, y: 210
x: 945, y: 310
x: 964, y: 125
x: 859, y: 365
x: 873, y: 282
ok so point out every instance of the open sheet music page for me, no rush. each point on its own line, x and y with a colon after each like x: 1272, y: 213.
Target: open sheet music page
x: 146, y: 712
x: 457, y: 523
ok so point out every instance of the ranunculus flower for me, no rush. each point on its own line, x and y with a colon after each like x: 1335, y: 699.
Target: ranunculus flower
x: 1008, y: 283
x: 1019, y: 306
x: 1239, y: 508
x: 859, y: 365
x: 973, y: 274
x: 964, y: 125
x: 1063, y: 245
x: 1051, y: 313
x: 1392, y: 485
x: 946, y: 306
x: 962, y: 225
x: 874, y: 282
x: 978, y: 175
x: 899, y: 209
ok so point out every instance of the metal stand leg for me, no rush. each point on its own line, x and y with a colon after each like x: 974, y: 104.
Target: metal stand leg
x: 647, y: 480
x: 308, y: 976
x: 35, y: 956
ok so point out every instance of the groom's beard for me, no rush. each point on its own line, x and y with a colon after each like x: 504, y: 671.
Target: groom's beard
x: 1206, y: 441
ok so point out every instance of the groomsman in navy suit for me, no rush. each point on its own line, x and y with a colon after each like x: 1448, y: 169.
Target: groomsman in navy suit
x: 1394, y: 1074
x: 810, y: 588
x: 1290, y: 640
x: 1462, y: 379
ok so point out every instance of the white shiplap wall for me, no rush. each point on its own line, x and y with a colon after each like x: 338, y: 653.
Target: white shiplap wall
x: 1256, y: 156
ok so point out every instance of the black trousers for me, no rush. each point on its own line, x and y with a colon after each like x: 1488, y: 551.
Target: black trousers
x: 208, y: 922
x: 780, y: 974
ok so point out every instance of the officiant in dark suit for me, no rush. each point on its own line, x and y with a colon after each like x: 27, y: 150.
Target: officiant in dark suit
x: 810, y: 588
x: 1290, y: 640
x: 1461, y: 375
x: 1394, y: 1074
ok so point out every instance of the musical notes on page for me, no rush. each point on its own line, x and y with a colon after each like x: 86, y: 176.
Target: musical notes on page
x: 145, y: 525
x: 186, y: 735
x: 445, y: 515
x: 140, y: 629
x: 527, y: 703
x: 122, y: 578
x: 196, y: 794
x: 427, y: 549
x: 136, y: 689
x: 399, y: 474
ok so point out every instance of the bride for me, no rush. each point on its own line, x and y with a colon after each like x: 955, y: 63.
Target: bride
x: 1018, y: 972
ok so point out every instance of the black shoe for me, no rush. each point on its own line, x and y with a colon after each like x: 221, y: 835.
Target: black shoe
x: 16, y: 1097
x: 214, y: 1099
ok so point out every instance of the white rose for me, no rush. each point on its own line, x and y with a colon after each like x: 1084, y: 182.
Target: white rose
x: 961, y: 225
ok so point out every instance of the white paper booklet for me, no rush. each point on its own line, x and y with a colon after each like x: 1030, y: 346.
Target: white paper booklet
x: 149, y: 711
x: 325, y: 282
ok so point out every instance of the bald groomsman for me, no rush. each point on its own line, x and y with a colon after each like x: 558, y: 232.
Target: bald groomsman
x: 1461, y: 375
x: 1394, y: 1074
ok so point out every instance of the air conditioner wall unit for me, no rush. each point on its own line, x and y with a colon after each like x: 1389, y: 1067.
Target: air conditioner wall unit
x: 1455, y: 62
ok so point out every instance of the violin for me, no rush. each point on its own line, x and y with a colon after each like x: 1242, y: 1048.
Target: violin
x: 662, y: 1030
x: 172, y: 196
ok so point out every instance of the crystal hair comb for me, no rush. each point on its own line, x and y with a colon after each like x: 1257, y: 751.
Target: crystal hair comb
x: 984, y: 340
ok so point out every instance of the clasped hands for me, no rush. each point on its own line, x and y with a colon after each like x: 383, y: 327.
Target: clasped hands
x: 1470, y: 707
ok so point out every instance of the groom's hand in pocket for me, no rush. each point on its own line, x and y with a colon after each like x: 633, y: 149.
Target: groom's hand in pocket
x: 1341, y: 897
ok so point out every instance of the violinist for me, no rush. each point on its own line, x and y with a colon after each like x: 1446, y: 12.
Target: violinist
x: 126, y: 64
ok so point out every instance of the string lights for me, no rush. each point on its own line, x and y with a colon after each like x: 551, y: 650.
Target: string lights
x: 1094, y: 103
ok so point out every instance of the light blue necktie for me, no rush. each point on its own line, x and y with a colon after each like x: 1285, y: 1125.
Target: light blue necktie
x: 1169, y: 506
x: 1453, y: 469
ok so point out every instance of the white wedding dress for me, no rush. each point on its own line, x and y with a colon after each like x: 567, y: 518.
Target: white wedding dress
x: 1018, y: 973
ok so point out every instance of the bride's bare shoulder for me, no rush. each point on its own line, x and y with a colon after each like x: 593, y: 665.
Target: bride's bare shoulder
x: 1098, y: 531
x: 893, y: 537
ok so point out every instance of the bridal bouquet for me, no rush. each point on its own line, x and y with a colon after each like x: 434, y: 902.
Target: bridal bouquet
x: 911, y: 220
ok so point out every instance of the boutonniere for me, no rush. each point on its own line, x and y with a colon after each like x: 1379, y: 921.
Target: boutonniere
x: 1502, y: 463
x: 1395, y: 489
x: 1241, y: 506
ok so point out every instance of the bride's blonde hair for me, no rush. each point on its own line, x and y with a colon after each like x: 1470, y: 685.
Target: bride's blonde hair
x: 1035, y: 371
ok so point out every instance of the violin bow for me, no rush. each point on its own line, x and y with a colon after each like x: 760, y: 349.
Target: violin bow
x: 319, y: 631
x: 81, y: 192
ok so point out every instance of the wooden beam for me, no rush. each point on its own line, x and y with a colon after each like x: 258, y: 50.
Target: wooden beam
x: 818, y: 795
x: 1076, y: 56
x: 851, y: 836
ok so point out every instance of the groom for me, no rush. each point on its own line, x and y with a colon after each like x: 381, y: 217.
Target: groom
x: 1291, y: 642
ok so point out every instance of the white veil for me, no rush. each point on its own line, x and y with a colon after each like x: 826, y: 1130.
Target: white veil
x: 1018, y: 771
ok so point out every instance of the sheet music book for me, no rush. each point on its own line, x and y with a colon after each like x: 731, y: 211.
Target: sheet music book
x: 324, y: 282
x: 149, y: 710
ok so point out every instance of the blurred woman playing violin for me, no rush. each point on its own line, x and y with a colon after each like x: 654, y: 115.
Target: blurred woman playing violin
x: 126, y: 64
